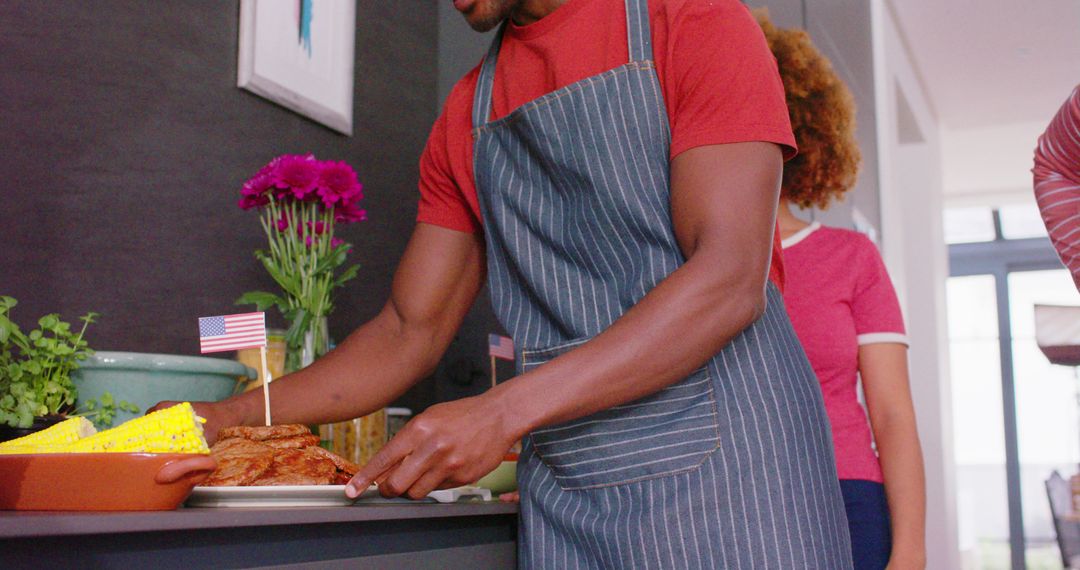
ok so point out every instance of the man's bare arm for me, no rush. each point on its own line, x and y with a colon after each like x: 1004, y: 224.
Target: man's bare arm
x: 436, y: 282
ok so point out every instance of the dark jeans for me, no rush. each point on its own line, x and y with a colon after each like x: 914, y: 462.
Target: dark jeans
x: 868, y: 521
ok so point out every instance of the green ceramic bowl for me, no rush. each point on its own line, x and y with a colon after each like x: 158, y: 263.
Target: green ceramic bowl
x: 502, y: 480
x: 145, y: 379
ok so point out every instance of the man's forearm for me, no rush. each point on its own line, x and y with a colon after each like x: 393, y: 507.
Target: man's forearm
x: 376, y: 364
x: 671, y: 332
x: 434, y: 285
x: 723, y: 209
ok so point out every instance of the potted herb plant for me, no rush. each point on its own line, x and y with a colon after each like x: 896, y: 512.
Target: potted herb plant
x: 36, y: 388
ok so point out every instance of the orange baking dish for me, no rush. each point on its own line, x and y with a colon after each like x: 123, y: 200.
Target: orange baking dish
x: 100, y: 481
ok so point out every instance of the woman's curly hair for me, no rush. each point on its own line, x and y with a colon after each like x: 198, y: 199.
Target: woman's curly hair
x: 822, y: 117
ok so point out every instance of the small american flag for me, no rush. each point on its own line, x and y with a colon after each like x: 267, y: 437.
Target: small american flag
x: 232, y: 332
x: 500, y: 347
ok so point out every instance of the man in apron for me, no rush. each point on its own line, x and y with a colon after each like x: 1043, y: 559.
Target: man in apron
x: 612, y: 168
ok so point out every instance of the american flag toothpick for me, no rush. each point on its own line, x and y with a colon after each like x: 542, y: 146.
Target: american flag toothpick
x: 234, y: 332
x: 499, y: 347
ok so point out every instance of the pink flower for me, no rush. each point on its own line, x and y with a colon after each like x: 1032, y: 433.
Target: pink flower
x: 249, y: 202
x: 348, y: 213
x: 283, y: 223
x: 295, y: 174
x: 319, y: 227
x: 337, y: 183
x: 254, y: 192
x: 334, y: 242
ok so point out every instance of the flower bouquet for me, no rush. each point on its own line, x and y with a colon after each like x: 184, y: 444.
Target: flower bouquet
x: 300, y: 200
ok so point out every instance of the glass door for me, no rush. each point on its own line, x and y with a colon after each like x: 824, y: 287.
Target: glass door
x: 1048, y: 435
x: 978, y: 423
x: 1015, y: 417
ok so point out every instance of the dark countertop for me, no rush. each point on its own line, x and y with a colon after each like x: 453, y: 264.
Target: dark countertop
x: 369, y: 535
x: 28, y: 524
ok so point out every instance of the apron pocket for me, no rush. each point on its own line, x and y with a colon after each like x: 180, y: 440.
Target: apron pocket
x: 668, y: 432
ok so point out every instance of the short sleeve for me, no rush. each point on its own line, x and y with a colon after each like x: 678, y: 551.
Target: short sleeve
x: 442, y: 202
x: 722, y: 80
x: 874, y: 305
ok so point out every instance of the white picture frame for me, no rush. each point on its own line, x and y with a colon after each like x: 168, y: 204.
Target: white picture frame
x: 300, y: 54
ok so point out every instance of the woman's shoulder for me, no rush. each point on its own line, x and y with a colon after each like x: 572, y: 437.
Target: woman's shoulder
x: 852, y: 246
x: 854, y: 239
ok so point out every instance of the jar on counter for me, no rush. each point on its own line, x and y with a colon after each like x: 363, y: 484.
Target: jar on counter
x: 357, y: 440
x: 275, y: 359
x: 396, y: 418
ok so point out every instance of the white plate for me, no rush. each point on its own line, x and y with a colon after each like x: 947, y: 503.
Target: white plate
x: 274, y: 496
x: 309, y: 496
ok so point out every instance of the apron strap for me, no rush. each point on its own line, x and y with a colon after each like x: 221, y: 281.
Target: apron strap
x: 638, y: 35
x: 486, y: 82
x: 638, y: 41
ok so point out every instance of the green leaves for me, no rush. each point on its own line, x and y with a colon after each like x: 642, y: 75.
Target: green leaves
x: 303, y: 261
x: 346, y: 275
x: 102, y: 411
x: 300, y: 322
x: 36, y: 367
x: 262, y: 300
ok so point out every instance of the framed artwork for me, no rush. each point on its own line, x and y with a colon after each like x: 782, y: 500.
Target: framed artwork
x: 300, y: 55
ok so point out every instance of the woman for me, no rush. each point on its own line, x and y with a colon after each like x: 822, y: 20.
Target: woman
x: 846, y: 315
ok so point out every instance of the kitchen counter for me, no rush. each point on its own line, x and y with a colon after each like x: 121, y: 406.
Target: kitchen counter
x: 469, y: 534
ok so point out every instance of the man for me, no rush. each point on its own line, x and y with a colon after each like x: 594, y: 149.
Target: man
x: 613, y: 169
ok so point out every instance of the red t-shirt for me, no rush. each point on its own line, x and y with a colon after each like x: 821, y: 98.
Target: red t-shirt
x: 839, y: 297
x: 718, y: 78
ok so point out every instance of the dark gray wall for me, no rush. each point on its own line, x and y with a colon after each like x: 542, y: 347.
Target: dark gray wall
x: 125, y: 140
x: 460, y: 48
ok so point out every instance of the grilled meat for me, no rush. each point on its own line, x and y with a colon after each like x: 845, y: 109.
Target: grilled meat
x: 276, y: 455
x: 240, y: 461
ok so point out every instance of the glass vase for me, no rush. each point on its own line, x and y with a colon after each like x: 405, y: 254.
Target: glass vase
x: 316, y: 342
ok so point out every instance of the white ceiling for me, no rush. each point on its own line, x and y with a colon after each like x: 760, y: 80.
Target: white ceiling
x: 993, y: 62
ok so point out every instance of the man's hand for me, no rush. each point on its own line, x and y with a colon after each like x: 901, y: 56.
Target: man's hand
x: 449, y: 445
x: 214, y: 413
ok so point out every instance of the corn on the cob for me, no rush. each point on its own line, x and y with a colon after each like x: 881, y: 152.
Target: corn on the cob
x: 24, y: 449
x: 67, y: 431
x: 173, y: 430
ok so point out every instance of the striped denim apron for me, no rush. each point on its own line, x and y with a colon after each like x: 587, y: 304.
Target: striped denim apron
x: 731, y: 467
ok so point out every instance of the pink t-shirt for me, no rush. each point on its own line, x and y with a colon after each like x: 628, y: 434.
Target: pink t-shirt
x: 839, y: 297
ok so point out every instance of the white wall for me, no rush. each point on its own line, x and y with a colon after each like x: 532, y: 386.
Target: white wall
x: 914, y: 249
x: 989, y: 166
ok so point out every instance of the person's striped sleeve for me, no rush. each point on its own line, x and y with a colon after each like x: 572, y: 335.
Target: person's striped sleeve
x: 1057, y: 182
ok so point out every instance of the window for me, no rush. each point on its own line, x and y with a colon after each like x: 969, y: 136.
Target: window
x: 1015, y: 415
x: 969, y: 225
x: 1020, y: 221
